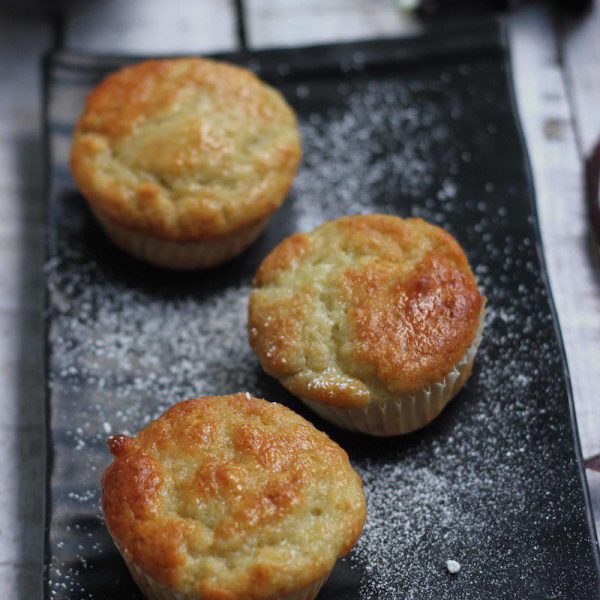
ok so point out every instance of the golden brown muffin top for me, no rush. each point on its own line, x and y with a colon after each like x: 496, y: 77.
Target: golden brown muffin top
x: 362, y: 308
x: 185, y: 149
x: 231, y: 498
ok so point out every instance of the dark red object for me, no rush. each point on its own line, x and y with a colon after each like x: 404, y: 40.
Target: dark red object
x: 593, y: 463
x: 592, y: 175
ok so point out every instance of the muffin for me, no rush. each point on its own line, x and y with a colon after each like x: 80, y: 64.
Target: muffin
x: 372, y: 320
x: 231, y: 498
x: 183, y: 161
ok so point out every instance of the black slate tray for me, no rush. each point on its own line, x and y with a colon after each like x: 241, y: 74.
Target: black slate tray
x: 425, y: 127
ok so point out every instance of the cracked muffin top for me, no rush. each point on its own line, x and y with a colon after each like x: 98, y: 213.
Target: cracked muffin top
x: 232, y: 497
x: 363, y: 308
x: 185, y: 149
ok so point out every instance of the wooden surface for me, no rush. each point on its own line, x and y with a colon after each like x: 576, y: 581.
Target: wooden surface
x: 304, y: 22
x: 579, y: 45
x: 150, y: 26
x: 559, y: 111
x: 22, y: 462
x: 547, y: 118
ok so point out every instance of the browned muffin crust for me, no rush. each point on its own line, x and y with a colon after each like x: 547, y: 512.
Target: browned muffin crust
x: 232, y: 498
x: 363, y: 308
x: 185, y: 149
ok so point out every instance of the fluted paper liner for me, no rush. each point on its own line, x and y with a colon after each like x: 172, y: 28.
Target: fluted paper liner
x: 154, y: 590
x: 409, y: 411
x: 201, y: 254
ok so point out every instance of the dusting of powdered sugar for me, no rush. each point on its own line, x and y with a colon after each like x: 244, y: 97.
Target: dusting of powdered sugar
x: 339, y: 143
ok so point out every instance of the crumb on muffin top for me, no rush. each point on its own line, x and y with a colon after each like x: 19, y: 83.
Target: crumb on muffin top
x: 362, y: 308
x: 185, y: 149
x: 232, y: 497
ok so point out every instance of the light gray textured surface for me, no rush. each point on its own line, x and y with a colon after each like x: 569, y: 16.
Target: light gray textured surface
x: 150, y: 26
x: 297, y: 22
x: 580, y: 47
x: 117, y: 26
x: 547, y: 119
x: 22, y: 459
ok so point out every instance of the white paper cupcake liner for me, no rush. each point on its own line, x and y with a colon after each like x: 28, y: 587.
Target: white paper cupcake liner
x: 170, y: 254
x: 154, y: 590
x: 407, y: 412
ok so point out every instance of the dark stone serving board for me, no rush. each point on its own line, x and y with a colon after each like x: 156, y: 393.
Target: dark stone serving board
x: 424, y: 126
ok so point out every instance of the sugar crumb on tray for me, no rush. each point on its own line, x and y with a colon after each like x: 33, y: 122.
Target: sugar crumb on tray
x: 452, y: 566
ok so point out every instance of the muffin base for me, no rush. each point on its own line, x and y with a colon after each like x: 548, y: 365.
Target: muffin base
x: 186, y: 256
x: 154, y: 590
x: 407, y: 412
